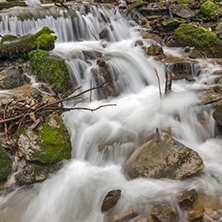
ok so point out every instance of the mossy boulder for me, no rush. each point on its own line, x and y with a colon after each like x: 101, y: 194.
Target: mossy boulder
x: 163, y: 157
x: 5, y: 164
x: 50, y: 143
x: 8, y: 38
x: 50, y: 69
x: 218, y: 114
x: 211, y: 10
x: 5, y: 5
x: 20, y: 49
x: 200, y: 38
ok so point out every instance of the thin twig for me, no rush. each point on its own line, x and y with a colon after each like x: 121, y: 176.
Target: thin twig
x: 92, y: 33
x: 158, y: 78
x: 55, y: 103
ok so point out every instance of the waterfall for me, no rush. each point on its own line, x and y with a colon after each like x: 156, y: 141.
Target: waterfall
x: 104, y: 139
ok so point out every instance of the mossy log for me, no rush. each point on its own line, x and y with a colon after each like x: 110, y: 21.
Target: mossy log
x: 5, y: 5
x: 135, y: 5
x: 5, y: 164
x: 20, y: 49
x: 200, y: 38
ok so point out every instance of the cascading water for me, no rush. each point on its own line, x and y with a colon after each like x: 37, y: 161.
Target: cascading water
x: 75, y: 193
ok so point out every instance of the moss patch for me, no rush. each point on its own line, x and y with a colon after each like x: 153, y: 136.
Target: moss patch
x: 5, y: 5
x: 200, y: 38
x: 8, y: 38
x: 211, y: 10
x: 54, y: 145
x: 5, y: 164
x: 136, y: 5
x: 50, y: 69
x: 20, y: 49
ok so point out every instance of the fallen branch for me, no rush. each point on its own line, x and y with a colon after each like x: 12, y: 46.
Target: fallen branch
x: 56, y: 103
x: 168, y: 84
x: 158, y: 78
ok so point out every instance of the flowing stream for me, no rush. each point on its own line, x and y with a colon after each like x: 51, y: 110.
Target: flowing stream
x: 75, y: 193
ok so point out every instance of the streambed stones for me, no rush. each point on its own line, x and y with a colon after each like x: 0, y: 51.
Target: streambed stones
x: 163, y: 157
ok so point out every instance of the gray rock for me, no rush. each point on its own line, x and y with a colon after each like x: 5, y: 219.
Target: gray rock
x: 183, y: 11
x: 163, y: 157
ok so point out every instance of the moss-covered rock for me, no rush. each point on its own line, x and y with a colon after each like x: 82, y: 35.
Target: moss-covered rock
x: 49, y: 144
x: 5, y: 5
x: 20, y: 49
x: 8, y: 38
x: 200, y: 38
x: 135, y: 5
x: 50, y: 69
x: 211, y: 10
x: 5, y: 164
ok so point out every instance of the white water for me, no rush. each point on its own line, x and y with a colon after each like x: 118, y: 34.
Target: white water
x: 75, y: 193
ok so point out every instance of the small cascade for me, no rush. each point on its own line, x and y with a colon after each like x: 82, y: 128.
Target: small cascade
x: 85, y: 23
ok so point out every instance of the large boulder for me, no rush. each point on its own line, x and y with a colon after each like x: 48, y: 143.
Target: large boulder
x: 50, y: 69
x: 163, y: 157
x: 49, y: 143
x: 200, y: 38
x: 5, y: 164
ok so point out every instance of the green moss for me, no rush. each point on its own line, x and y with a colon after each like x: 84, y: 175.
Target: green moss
x: 45, y: 41
x: 182, y: 1
x: 200, y: 38
x: 8, y: 38
x: 54, y: 145
x: 211, y: 10
x: 5, y: 5
x: 50, y: 69
x: 24, y: 45
x: 5, y: 164
x: 136, y: 5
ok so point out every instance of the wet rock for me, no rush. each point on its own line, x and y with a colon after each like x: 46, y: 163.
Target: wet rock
x: 218, y: 115
x: 110, y: 200
x: 203, y: 40
x: 183, y: 11
x: 163, y: 157
x: 14, y: 78
x: 5, y: 164
x: 92, y: 54
x: 48, y: 144
x: 195, y: 215
x: 193, y: 53
x: 182, y: 68
x: 171, y: 24
x: 163, y: 213
x: 148, y: 35
x: 104, y: 34
x: 33, y: 173
x: 212, y: 215
x: 154, y: 50
x: 125, y: 216
x: 187, y: 199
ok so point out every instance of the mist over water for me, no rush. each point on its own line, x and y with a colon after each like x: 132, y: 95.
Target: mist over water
x: 75, y: 192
